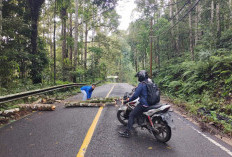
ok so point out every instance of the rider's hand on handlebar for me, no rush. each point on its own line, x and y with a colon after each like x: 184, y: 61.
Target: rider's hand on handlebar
x: 126, y: 101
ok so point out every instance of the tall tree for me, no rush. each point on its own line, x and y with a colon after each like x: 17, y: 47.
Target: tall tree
x: 172, y: 22
x: 0, y: 23
x: 191, y: 33
x: 230, y: 16
x: 63, y: 6
x: 70, y: 36
x: 76, y: 37
x: 218, y: 19
x: 197, y: 22
x: 212, y: 13
x: 177, y: 29
x: 86, y: 37
x: 35, y: 6
x: 54, y: 42
x: 151, y: 34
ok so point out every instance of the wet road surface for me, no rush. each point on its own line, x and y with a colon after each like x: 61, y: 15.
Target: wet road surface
x: 61, y: 134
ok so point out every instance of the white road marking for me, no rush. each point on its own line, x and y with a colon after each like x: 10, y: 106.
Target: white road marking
x: 208, y: 138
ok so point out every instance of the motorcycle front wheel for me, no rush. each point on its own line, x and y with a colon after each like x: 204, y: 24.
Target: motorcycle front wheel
x: 164, y: 131
x: 121, y: 117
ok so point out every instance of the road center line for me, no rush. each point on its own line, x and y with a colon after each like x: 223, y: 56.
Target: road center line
x: 90, y: 132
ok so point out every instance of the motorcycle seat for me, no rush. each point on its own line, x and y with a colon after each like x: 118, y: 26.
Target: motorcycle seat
x: 156, y: 106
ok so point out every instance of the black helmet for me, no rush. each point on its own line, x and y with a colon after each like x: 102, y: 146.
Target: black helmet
x: 142, y: 75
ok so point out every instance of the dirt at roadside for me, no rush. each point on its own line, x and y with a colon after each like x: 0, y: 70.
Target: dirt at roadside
x: 205, y: 127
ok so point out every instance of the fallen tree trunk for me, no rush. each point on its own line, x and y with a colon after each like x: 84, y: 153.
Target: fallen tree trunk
x: 37, y: 107
x: 24, y: 109
x: 94, y: 102
x: 88, y: 104
x: 4, y: 120
x: 102, y: 100
x: 8, y: 113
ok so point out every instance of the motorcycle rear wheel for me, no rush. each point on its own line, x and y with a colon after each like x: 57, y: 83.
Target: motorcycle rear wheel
x: 121, y: 117
x: 165, y: 132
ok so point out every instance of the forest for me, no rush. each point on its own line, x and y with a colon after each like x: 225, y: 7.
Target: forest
x: 185, y: 45
x: 53, y: 42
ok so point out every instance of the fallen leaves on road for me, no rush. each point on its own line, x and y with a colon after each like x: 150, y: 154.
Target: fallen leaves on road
x: 168, y: 147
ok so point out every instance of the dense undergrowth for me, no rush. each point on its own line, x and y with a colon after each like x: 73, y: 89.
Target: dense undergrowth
x: 204, y: 85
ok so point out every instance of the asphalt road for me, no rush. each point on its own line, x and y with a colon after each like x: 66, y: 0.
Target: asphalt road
x: 61, y: 133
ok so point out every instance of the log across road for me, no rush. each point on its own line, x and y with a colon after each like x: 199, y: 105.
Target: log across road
x: 93, y: 132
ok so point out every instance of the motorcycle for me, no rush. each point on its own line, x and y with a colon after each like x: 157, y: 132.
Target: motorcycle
x: 156, y: 119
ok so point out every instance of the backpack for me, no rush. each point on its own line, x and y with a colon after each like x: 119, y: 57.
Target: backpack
x: 153, y: 93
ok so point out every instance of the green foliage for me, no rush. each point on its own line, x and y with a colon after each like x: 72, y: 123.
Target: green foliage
x: 202, y: 77
x: 203, y: 83
x: 105, y: 4
x: 225, y: 40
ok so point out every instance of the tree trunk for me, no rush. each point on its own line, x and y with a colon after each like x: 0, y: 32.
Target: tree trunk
x: 177, y: 30
x: 171, y: 12
x: 34, y: 35
x: 218, y: 19
x: 93, y: 28
x: 172, y: 23
x: 82, y: 37
x: 50, y: 37
x: 51, y: 50
x: 35, y: 6
x: 198, y: 21
x: 71, y: 36
x: 230, y: 14
x: 86, y: 36
x: 151, y: 30
x: 158, y: 53
x: 64, y: 50
x: 54, y: 42
x: 0, y: 23
x: 144, y: 60
x: 82, y: 47
x: 71, y: 45
x: 76, y: 38
x: 191, y: 35
x: 212, y: 13
x: 136, y: 61
x: 196, y: 24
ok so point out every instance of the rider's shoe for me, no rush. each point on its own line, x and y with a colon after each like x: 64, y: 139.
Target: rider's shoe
x: 125, y: 133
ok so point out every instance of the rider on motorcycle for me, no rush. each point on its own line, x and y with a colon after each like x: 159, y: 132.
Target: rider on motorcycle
x: 141, y: 92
